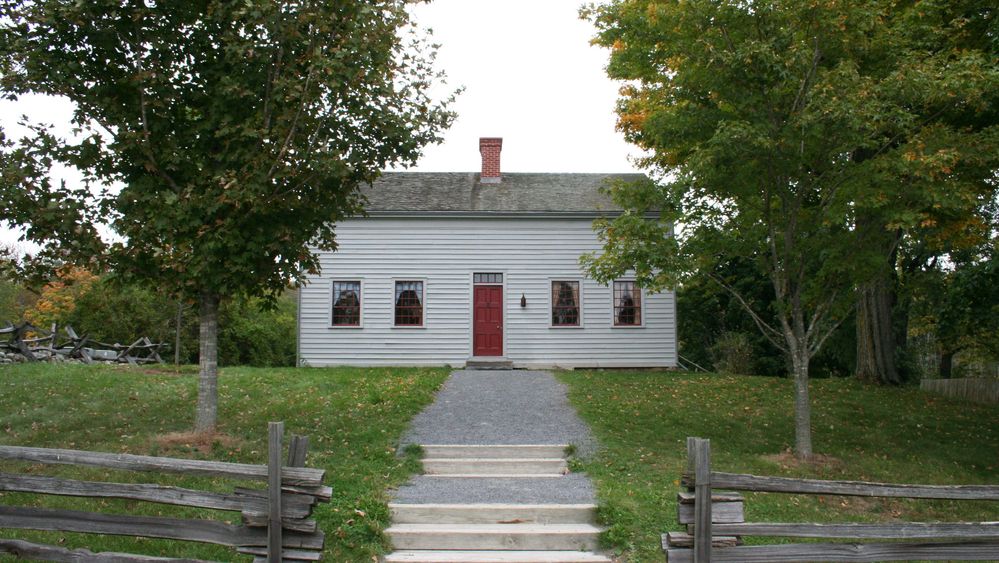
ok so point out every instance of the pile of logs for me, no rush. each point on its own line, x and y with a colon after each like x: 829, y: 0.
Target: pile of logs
x: 25, y: 342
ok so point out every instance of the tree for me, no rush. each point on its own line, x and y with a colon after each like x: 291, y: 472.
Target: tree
x: 239, y: 133
x: 768, y: 126
x: 882, y: 303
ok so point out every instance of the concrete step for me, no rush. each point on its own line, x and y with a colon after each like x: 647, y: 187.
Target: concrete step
x: 495, y: 466
x: 517, y: 537
x: 489, y: 364
x: 495, y: 557
x: 492, y: 513
x: 530, y: 451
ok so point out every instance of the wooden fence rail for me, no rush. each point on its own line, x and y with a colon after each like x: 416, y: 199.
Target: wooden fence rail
x: 276, y: 524
x: 716, y: 524
x: 68, y: 344
x: 979, y: 390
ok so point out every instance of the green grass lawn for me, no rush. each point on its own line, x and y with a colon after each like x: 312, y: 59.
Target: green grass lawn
x: 353, y: 417
x: 870, y: 433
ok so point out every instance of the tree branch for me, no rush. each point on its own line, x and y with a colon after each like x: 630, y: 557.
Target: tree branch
x: 769, y: 332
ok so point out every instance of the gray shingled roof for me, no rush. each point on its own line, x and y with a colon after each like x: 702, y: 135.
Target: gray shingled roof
x: 517, y: 193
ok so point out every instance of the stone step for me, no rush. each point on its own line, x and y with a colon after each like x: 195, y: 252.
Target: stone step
x: 485, y: 451
x: 495, y: 466
x: 495, y: 557
x: 492, y: 513
x: 489, y: 365
x: 517, y: 537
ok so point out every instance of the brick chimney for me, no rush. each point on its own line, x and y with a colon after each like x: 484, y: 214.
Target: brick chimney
x: 489, y: 148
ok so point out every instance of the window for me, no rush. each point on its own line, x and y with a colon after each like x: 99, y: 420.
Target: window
x: 409, y: 303
x: 627, y: 304
x: 346, y: 303
x: 487, y: 278
x: 565, y: 303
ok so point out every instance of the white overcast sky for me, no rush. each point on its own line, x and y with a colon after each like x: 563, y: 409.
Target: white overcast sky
x: 530, y: 76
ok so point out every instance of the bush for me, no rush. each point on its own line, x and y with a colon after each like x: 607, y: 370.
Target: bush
x: 111, y: 312
x: 251, y: 335
x: 732, y: 353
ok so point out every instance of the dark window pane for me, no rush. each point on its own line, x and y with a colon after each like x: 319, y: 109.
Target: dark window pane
x: 627, y: 304
x: 409, y: 303
x: 565, y: 303
x: 346, y: 303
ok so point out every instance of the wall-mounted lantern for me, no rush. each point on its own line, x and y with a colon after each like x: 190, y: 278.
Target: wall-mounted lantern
x: 523, y: 300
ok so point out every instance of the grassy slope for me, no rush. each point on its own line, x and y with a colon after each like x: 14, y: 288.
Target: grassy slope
x: 354, y: 418
x: 897, y: 435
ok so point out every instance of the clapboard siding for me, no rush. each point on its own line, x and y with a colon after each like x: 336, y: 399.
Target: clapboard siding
x: 444, y: 252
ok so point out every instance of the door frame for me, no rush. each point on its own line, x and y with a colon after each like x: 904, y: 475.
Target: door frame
x: 471, y: 310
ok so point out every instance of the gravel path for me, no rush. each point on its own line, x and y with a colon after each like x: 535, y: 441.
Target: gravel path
x: 501, y: 407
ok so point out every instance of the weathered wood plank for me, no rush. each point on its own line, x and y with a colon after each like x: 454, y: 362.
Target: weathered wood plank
x: 845, y: 552
x: 203, y: 531
x: 683, y: 539
x: 39, y: 552
x: 743, y: 482
x: 275, y: 430
x: 298, y: 449
x: 900, y: 530
x: 253, y: 507
x: 702, y: 501
x: 683, y: 497
x: 289, y: 554
x: 721, y: 513
x: 295, y: 524
x: 290, y: 476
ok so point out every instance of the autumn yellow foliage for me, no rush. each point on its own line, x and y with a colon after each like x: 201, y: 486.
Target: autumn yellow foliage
x: 58, y: 297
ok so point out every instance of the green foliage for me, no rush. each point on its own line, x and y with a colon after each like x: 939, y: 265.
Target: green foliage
x: 145, y: 411
x: 733, y: 353
x: 114, y: 312
x: 252, y: 335
x: 240, y: 132
x: 774, y: 127
x: 872, y: 433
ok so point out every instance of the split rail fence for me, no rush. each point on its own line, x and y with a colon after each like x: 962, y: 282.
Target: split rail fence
x: 276, y: 524
x: 716, y: 524
x: 36, y: 343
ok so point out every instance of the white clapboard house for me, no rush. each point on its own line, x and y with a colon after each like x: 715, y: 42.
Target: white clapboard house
x: 479, y: 268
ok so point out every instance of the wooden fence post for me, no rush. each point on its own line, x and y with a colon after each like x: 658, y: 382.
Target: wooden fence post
x: 275, y: 430
x: 298, y: 449
x: 702, y: 501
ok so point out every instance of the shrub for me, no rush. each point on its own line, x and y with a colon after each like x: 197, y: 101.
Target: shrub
x: 732, y: 353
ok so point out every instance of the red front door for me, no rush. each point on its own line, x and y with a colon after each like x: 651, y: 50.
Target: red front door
x: 487, y: 321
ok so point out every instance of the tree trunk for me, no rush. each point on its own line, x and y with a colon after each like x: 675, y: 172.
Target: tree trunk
x: 208, y: 398
x: 875, y: 333
x: 802, y: 405
x: 946, y: 364
x: 176, y: 337
x: 877, y: 338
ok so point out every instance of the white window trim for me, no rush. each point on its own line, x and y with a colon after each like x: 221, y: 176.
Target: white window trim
x: 551, y: 304
x: 645, y: 299
x: 329, y: 310
x: 423, y: 302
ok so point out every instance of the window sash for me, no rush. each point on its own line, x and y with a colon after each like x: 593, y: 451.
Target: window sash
x: 408, y: 303
x: 346, y: 310
x: 627, y: 304
x: 565, y: 303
